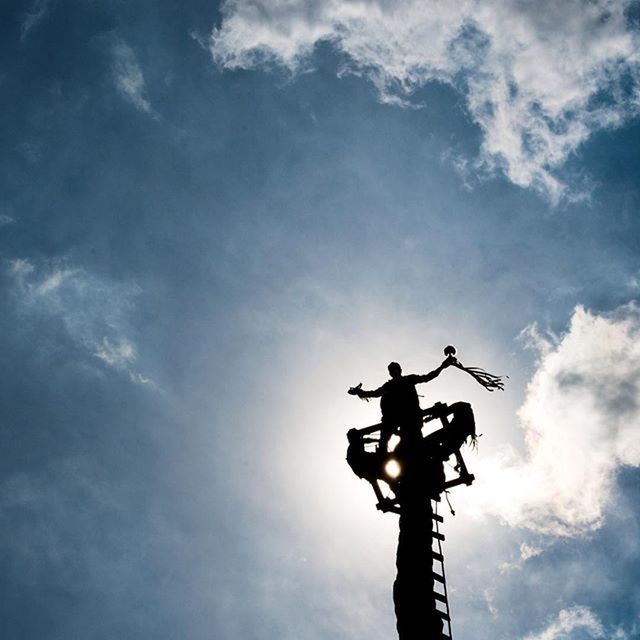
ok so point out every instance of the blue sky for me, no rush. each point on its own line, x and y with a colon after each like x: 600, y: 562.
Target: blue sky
x: 215, y: 219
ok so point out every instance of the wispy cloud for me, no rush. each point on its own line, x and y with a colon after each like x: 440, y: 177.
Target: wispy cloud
x: 129, y: 77
x: 527, y: 552
x: 5, y: 220
x: 580, y: 419
x: 538, y: 78
x: 93, y: 311
x: 33, y: 17
x: 119, y: 354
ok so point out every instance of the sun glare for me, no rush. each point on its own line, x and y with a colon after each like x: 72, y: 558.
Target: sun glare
x: 392, y: 468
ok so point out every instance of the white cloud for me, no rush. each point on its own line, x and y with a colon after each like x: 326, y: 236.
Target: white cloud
x: 93, y: 311
x: 129, y: 78
x: 569, y: 621
x: 581, y: 422
x: 539, y: 78
x: 528, y: 551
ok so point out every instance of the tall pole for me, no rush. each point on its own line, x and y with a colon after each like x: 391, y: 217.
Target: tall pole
x: 413, y: 590
x: 421, y: 480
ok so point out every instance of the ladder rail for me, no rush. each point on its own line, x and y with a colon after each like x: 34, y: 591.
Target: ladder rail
x: 442, y: 579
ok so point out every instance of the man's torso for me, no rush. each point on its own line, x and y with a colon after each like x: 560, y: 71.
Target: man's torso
x: 399, y: 397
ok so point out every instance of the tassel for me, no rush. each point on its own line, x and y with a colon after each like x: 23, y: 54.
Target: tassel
x: 488, y: 380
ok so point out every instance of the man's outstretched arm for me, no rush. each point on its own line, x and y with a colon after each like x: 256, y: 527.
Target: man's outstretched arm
x: 362, y: 393
x: 427, y: 377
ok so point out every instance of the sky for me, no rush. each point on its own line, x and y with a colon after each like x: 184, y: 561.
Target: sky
x: 216, y: 218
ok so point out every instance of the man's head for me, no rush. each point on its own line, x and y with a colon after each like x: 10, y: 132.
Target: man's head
x: 395, y: 370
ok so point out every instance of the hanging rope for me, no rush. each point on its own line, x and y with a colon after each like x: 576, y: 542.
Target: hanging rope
x: 446, y: 495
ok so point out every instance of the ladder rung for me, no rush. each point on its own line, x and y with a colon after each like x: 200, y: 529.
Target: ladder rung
x: 437, y: 518
x: 438, y: 577
x: 439, y: 596
x: 437, y: 536
x: 437, y: 556
x: 443, y: 615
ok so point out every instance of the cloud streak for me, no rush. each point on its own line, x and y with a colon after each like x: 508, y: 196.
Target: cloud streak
x: 129, y: 78
x: 93, y: 311
x: 33, y: 18
x: 538, y: 78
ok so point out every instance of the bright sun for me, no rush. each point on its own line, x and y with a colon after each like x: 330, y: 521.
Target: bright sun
x: 392, y: 468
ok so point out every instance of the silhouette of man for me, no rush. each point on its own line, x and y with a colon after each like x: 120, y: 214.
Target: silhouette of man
x: 399, y: 401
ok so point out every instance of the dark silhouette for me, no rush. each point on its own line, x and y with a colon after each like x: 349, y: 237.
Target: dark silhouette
x: 399, y: 403
x: 416, y: 483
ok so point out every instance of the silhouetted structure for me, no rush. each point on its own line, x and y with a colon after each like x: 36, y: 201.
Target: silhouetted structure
x: 414, y: 474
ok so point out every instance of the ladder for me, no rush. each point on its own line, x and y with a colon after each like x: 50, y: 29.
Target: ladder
x: 441, y: 598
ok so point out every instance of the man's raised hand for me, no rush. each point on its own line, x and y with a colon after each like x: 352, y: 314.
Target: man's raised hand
x: 450, y: 361
x: 355, y: 391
